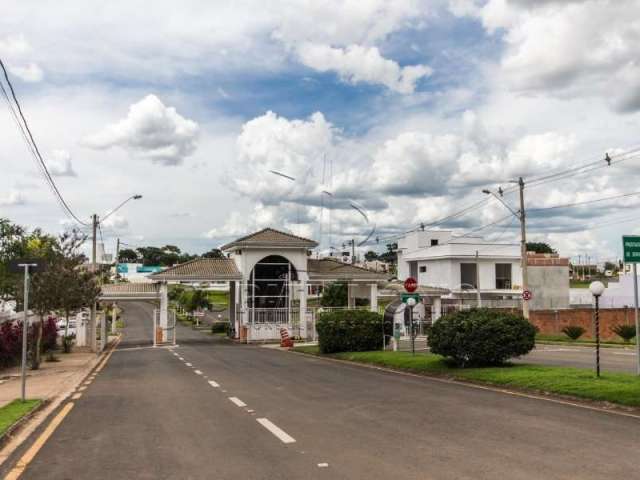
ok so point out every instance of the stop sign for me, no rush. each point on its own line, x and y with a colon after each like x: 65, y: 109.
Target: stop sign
x: 410, y: 284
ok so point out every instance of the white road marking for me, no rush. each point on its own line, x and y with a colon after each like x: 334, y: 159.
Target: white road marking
x: 237, y: 401
x: 323, y: 465
x: 188, y: 365
x: 180, y: 358
x: 283, y: 436
x: 82, y: 389
x: 224, y: 391
x: 76, y: 396
x: 250, y: 411
x: 197, y: 372
x: 213, y: 384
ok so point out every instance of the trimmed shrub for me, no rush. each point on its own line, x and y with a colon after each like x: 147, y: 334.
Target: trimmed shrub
x: 481, y: 337
x: 625, y: 332
x: 574, y: 332
x: 350, y: 331
x: 220, y: 327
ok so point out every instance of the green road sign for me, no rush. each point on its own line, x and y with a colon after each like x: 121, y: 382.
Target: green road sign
x: 405, y: 296
x: 631, y: 248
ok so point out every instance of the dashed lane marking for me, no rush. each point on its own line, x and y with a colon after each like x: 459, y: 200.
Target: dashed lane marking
x: 197, y: 372
x: 237, y: 401
x: 188, y: 364
x: 214, y: 384
x: 323, y: 465
x: 283, y: 436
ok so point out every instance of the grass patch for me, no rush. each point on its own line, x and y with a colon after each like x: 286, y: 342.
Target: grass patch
x: 620, y: 388
x: 14, y: 411
x: 219, y: 299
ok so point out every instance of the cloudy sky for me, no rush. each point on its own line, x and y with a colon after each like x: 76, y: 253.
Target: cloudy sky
x: 404, y: 108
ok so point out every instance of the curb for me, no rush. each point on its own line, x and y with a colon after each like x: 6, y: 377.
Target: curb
x: 10, y: 432
x: 22, y: 430
x: 603, y: 407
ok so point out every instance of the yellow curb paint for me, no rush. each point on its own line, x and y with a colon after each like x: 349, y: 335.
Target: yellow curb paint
x: 29, y: 455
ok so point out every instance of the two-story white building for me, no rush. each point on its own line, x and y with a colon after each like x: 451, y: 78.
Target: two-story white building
x: 463, y: 265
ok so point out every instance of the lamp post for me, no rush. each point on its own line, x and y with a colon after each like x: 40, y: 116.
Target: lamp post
x: 597, y: 288
x: 411, y: 302
x: 95, y: 222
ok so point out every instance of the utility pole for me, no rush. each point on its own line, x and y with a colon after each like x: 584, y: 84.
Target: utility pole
x: 523, y: 248
x: 478, y: 280
x: 117, y: 254
x: 25, y: 328
x: 94, y: 268
x: 353, y: 251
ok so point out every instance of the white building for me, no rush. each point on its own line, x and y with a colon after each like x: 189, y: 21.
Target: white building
x: 461, y: 264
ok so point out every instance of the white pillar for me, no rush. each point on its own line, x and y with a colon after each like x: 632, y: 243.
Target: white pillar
x: 164, y: 310
x: 233, y: 306
x: 373, y: 297
x: 351, y: 299
x: 104, y: 336
x: 303, y: 308
x: 114, y: 318
x: 436, y: 311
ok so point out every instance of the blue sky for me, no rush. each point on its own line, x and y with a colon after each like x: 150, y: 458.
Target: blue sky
x: 414, y: 105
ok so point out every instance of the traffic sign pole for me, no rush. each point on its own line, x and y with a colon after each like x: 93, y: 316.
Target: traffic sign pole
x: 635, y: 306
x: 631, y: 254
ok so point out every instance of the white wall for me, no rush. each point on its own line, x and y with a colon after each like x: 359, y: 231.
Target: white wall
x: 446, y: 273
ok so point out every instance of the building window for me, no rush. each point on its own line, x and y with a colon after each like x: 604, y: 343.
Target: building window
x: 423, y: 269
x: 434, y: 242
x: 503, y: 276
x: 468, y: 276
x: 413, y: 269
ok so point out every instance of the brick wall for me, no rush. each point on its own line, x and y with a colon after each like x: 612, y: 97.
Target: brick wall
x: 553, y: 321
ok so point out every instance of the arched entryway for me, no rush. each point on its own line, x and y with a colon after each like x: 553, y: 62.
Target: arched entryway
x: 270, y: 284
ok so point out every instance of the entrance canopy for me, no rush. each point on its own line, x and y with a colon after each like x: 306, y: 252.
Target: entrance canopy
x: 129, y: 291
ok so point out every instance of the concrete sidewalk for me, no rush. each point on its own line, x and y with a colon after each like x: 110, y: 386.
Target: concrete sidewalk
x: 50, y: 379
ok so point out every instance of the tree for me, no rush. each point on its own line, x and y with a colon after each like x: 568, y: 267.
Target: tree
x: 539, y: 247
x: 128, y: 255
x: 13, y: 239
x: 334, y: 295
x: 390, y: 256
x: 370, y: 256
x: 213, y: 253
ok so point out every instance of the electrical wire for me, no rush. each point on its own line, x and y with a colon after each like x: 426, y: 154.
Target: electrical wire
x: 578, y: 204
x: 33, y: 146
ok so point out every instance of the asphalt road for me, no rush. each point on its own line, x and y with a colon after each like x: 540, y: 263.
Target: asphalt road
x: 151, y: 413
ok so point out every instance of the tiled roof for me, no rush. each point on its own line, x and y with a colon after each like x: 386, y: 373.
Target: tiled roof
x: 327, y: 269
x: 201, y: 269
x: 270, y: 237
x: 124, y: 290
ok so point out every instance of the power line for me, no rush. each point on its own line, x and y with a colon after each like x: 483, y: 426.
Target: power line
x: 587, y: 202
x: 33, y: 146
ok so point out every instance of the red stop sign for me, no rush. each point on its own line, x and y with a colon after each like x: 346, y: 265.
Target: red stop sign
x: 410, y: 284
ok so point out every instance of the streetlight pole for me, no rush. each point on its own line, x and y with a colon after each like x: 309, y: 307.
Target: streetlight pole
x: 95, y: 221
x: 25, y: 329
x: 597, y: 288
x: 411, y: 302
x: 520, y: 215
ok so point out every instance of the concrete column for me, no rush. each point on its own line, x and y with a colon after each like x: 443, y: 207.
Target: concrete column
x: 114, y: 318
x: 104, y: 336
x: 164, y: 310
x: 303, y: 308
x: 244, y: 307
x: 436, y: 309
x: 233, y: 306
x: 373, y: 297
x: 351, y: 299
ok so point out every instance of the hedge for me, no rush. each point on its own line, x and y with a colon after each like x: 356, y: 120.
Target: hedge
x: 350, y: 331
x: 481, y: 337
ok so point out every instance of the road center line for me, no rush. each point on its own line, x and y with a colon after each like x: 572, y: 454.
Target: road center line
x: 188, y: 364
x: 283, y: 436
x: 197, y: 372
x: 237, y: 401
x: 214, y: 384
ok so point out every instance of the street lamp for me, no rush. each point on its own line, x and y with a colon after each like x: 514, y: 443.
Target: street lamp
x: 597, y: 288
x: 520, y: 215
x: 411, y: 302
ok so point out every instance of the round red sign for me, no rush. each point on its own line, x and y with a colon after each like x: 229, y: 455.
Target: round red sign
x: 527, y: 295
x: 410, y: 284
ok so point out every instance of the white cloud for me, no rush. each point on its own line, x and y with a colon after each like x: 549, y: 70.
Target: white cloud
x: 115, y: 222
x: 575, y: 48
x: 60, y: 165
x: 13, y: 198
x: 356, y: 64
x: 16, y: 51
x: 150, y: 131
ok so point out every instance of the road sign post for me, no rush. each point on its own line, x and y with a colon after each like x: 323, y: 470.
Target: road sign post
x: 631, y: 254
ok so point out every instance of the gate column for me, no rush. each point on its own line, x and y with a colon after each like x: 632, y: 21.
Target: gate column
x: 164, y: 310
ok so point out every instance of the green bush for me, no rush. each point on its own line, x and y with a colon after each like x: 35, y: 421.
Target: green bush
x: 481, y: 337
x: 625, y: 332
x: 574, y: 332
x: 350, y: 331
x: 220, y: 327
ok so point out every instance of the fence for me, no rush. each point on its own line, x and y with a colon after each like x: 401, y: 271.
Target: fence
x: 265, y: 324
